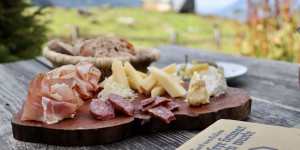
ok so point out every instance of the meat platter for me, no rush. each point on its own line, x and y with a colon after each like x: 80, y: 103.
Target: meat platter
x: 83, y: 129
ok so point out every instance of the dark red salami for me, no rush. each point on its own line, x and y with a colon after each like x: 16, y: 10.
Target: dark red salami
x: 102, y: 110
x: 158, y: 101
x: 148, y: 101
x: 171, y: 105
x: 162, y: 113
x: 121, y: 104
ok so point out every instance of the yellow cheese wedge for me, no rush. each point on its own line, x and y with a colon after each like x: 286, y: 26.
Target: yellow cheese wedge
x: 143, y: 75
x: 165, y: 79
x: 150, y: 81
x: 134, y: 75
x: 170, y: 69
x: 157, y: 91
x: 178, y: 79
x: 197, y: 93
x: 131, y: 84
x: 118, y: 73
x: 148, y: 84
x: 107, y: 80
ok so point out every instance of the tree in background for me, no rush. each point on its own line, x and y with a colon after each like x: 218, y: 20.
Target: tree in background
x: 21, y: 36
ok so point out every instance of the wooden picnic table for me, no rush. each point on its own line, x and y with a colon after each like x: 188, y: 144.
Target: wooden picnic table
x: 272, y: 85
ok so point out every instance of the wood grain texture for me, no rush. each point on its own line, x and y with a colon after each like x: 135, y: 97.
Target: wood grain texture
x: 272, y: 85
x: 85, y: 130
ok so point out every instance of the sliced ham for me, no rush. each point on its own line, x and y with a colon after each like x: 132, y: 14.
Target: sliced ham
x: 162, y: 113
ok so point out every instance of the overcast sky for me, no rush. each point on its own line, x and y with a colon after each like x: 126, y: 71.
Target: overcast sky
x: 213, y: 5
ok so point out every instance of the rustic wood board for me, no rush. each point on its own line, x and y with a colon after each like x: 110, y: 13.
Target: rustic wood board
x: 85, y: 130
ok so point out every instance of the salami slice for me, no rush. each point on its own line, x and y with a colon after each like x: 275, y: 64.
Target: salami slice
x: 171, y: 106
x: 148, y: 101
x: 162, y: 113
x: 158, y: 101
x: 102, y: 110
x: 121, y: 104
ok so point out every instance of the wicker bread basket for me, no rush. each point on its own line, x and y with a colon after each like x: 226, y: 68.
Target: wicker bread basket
x: 145, y: 56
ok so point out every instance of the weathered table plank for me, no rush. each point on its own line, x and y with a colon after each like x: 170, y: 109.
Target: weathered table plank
x: 273, y: 86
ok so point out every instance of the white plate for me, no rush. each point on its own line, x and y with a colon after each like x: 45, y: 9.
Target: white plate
x: 231, y: 70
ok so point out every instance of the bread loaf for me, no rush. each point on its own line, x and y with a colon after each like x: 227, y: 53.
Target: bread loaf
x: 102, y: 46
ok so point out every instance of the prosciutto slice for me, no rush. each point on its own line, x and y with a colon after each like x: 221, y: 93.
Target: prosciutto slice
x: 87, y: 77
x: 49, y: 103
x: 58, y: 94
x: 62, y: 71
x: 84, y: 78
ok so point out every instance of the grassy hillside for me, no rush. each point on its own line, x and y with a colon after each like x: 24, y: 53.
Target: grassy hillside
x: 149, y: 29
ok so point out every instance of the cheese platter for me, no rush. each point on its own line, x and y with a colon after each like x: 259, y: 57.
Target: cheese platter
x: 70, y: 106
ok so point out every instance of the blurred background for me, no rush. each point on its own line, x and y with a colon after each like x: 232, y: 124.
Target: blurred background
x: 257, y: 28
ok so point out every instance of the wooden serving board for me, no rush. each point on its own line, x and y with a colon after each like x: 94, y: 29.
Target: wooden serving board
x: 85, y: 130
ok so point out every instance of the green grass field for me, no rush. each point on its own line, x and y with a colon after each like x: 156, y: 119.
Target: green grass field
x: 150, y: 28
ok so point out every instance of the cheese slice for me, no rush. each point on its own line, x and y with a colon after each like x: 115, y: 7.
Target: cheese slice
x: 165, y: 79
x: 118, y: 73
x: 157, y: 91
x: 132, y: 84
x: 197, y: 93
x: 107, y: 80
x: 178, y: 79
x: 134, y: 75
x: 215, y: 82
x: 170, y: 69
x: 148, y: 84
x: 150, y: 81
x: 143, y: 75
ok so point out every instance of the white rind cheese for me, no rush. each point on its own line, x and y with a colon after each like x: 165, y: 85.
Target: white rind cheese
x: 215, y: 82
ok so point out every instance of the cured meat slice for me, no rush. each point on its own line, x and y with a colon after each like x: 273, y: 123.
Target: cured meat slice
x: 57, y: 94
x: 55, y: 111
x: 84, y: 77
x: 162, y: 113
x: 121, y: 104
x: 49, y: 102
x: 87, y: 77
x: 102, y: 110
x: 66, y: 70
x: 171, y: 105
x: 158, y: 101
x: 148, y: 101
